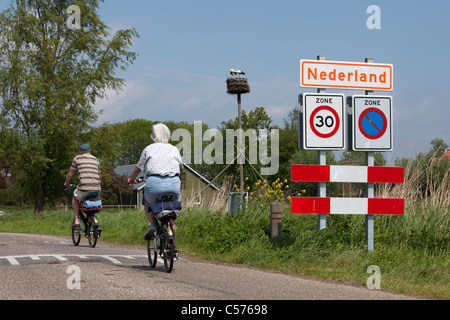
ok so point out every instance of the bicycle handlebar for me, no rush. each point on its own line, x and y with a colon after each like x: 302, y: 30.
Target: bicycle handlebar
x: 139, y: 180
x: 72, y: 186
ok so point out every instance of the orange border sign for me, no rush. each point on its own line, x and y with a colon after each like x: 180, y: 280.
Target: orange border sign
x: 346, y: 75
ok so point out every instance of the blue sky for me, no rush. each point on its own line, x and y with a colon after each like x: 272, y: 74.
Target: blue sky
x: 186, y: 49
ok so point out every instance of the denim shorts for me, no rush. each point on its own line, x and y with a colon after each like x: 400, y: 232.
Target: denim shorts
x: 79, y: 195
x: 156, y: 185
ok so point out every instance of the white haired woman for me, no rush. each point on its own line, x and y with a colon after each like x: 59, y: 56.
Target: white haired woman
x: 162, y: 164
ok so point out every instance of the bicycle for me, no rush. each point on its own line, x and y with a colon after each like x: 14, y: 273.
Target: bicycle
x: 162, y: 243
x: 87, y: 214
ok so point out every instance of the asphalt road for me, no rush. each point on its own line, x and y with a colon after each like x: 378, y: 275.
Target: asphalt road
x: 35, y: 267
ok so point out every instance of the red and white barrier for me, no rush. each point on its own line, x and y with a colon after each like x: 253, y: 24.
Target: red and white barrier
x: 363, y: 174
x: 314, y: 205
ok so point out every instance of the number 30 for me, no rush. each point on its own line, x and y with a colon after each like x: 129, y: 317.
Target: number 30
x: 329, y: 121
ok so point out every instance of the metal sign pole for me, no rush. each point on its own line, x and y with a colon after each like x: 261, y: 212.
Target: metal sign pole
x: 240, y: 148
x: 322, y: 160
x: 370, y: 193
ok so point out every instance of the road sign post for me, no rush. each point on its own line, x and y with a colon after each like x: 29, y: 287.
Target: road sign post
x: 323, y: 126
x: 370, y: 188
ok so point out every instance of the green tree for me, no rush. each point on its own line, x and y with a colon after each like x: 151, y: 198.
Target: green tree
x: 256, y: 119
x: 50, y: 78
x: 438, y: 147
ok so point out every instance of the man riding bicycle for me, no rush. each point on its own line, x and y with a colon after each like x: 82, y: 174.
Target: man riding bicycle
x: 162, y: 164
x: 87, y: 167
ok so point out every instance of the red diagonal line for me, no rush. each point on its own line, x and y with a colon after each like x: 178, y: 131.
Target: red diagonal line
x: 372, y: 123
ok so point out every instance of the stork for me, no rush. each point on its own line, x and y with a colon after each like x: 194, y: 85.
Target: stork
x: 238, y: 72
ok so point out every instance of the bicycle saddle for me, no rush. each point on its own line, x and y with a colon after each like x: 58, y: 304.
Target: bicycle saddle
x: 91, y: 195
x: 167, y: 197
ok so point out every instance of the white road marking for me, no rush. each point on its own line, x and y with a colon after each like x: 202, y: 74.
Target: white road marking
x: 64, y: 257
x: 115, y: 261
x: 13, y: 261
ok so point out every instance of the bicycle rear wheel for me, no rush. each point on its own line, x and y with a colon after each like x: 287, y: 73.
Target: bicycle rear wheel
x: 152, y: 251
x: 92, y: 232
x: 76, y: 236
x: 168, y: 252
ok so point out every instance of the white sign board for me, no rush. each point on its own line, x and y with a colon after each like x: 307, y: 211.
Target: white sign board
x: 372, y: 123
x: 323, y: 121
x: 346, y: 75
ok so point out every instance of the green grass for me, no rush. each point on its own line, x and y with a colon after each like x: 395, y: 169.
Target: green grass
x: 412, y: 251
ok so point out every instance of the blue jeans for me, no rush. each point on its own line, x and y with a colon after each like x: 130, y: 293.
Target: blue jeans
x: 156, y: 185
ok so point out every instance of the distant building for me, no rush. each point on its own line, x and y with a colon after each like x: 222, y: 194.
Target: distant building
x: 446, y: 154
x: 194, y: 187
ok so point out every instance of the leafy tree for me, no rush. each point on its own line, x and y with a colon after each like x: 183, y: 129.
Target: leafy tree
x: 438, y: 147
x: 50, y: 79
x: 256, y: 119
x: 291, y: 122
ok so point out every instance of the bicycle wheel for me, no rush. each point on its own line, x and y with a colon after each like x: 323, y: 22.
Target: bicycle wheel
x: 168, y: 251
x: 92, y: 232
x: 152, y: 251
x: 76, y: 236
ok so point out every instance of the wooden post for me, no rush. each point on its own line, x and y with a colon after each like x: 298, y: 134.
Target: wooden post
x: 275, y: 220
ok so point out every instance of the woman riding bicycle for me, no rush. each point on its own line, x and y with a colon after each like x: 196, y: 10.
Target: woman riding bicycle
x: 162, y: 164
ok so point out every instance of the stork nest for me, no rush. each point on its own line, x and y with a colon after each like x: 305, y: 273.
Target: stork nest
x: 237, y: 85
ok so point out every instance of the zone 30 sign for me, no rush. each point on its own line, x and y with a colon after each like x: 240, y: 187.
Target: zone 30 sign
x: 324, y: 121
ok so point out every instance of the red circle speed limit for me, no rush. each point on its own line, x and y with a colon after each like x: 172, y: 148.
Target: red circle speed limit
x: 324, y: 121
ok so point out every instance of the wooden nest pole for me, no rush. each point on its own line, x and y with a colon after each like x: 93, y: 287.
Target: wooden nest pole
x: 239, y: 86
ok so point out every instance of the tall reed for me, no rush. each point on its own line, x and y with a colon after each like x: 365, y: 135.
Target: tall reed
x: 426, y: 191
